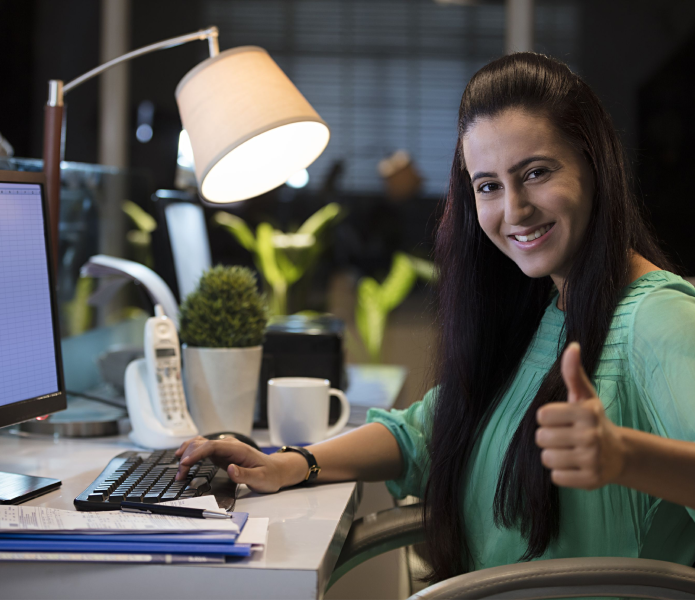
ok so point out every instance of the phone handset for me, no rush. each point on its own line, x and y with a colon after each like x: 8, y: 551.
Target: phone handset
x: 163, y: 358
x: 154, y: 391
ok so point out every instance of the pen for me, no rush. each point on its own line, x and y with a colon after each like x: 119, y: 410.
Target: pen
x: 173, y: 511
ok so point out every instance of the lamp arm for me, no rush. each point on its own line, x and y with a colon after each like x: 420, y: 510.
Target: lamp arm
x: 56, y: 92
x: 53, y: 116
x: 211, y: 34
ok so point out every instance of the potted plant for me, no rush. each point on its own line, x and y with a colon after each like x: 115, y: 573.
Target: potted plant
x: 221, y: 326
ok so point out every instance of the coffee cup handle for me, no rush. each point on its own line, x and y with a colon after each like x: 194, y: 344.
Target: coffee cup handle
x: 344, y: 412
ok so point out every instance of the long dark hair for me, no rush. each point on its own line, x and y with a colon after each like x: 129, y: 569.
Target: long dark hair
x: 489, y: 310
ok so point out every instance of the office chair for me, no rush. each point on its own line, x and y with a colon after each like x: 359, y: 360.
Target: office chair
x: 555, y: 578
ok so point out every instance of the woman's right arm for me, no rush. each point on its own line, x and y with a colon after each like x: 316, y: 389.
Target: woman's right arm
x: 369, y: 453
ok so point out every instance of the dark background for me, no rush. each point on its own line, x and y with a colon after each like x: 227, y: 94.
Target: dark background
x: 636, y: 54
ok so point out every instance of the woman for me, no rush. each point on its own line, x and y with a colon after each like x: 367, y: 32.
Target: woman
x: 540, y: 244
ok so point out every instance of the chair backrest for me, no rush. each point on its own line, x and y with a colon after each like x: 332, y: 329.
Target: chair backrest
x: 181, y: 246
x: 378, y: 533
x: 189, y: 244
x: 570, y: 577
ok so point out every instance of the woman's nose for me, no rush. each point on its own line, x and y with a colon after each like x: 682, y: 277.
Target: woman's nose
x: 517, y: 208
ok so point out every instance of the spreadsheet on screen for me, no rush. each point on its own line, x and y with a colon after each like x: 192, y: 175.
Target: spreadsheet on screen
x: 27, y: 353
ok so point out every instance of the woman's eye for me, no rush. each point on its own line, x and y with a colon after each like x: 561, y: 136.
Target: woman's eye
x: 486, y: 188
x: 536, y: 173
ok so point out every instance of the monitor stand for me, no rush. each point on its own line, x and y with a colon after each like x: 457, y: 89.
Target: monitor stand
x: 16, y: 488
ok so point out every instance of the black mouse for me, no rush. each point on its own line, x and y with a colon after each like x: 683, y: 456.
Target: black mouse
x: 230, y: 434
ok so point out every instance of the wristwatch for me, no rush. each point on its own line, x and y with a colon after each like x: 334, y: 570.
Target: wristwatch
x: 314, y: 469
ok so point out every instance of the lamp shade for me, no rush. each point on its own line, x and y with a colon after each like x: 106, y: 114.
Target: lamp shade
x: 250, y: 127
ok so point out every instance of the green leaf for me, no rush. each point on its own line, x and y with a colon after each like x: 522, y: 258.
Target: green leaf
x: 424, y: 269
x: 78, y: 312
x: 266, y: 255
x: 370, y: 316
x: 143, y: 220
x: 289, y: 270
x: 317, y: 222
x: 238, y: 228
x: 398, y: 283
x: 139, y: 238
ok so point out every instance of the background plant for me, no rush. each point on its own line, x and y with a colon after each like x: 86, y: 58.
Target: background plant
x: 225, y: 311
x: 140, y: 238
x: 376, y: 301
x: 282, y: 258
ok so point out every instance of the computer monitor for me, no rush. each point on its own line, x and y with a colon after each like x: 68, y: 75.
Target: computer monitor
x: 31, y: 369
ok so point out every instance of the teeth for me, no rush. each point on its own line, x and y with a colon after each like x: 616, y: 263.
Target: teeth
x: 532, y: 236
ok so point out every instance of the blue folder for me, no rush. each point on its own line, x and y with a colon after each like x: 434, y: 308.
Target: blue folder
x: 163, y: 538
x: 211, y: 543
x: 26, y: 544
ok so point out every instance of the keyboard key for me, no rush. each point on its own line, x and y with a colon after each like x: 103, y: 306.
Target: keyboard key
x: 96, y: 497
x: 135, y: 497
x: 198, y: 482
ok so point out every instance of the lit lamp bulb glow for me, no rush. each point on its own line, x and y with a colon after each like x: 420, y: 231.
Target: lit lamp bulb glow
x: 249, y: 126
x: 185, y: 154
x: 299, y: 180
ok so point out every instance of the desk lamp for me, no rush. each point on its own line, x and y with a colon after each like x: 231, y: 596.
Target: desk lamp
x: 249, y: 126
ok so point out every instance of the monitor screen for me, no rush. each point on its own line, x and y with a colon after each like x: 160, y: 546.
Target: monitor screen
x: 30, y: 365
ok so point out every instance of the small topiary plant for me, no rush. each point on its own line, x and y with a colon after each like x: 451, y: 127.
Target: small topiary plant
x: 225, y: 311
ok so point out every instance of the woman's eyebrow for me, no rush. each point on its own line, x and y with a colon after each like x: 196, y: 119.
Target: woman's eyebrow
x: 481, y: 174
x: 527, y: 161
x: 520, y: 165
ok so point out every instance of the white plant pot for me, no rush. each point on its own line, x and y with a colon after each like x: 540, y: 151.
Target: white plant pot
x: 221, y: 387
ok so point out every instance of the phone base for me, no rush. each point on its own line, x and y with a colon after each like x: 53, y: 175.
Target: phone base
x: 148, y: 431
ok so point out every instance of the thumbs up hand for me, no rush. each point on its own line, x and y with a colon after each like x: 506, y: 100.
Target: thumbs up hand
x: 581, y: 447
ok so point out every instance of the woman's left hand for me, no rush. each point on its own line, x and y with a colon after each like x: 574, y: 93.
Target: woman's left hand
x: 581, y: 446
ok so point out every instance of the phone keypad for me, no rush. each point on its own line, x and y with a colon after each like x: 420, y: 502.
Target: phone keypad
x: 171, y: 390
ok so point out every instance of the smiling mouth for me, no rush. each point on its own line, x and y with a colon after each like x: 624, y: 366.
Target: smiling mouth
x: 540, y: 232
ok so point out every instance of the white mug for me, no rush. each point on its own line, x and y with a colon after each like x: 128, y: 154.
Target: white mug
x: 298, y: 410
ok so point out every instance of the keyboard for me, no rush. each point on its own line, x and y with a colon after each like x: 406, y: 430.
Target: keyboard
x: 145, y: 477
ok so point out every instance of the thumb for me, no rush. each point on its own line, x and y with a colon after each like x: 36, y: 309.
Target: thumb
x: 579, y: 387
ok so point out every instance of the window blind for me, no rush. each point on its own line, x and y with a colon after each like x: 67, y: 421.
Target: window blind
x: 385, y: 74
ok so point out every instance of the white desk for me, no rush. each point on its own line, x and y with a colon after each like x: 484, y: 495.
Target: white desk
x: 307, y: 530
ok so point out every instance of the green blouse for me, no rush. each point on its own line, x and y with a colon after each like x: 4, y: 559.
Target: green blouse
x: 646, y: 380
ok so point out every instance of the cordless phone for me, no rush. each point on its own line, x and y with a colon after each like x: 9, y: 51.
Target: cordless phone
x: 154, y: 389
x: 163, y: 358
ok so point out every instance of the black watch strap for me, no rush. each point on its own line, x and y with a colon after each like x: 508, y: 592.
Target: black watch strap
x: 314, y: 469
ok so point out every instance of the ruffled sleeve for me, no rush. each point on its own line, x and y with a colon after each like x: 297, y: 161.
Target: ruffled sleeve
x: 411, y: 429
x: 662, y: 360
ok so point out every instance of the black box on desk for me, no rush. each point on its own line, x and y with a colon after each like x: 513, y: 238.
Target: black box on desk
x: 300, y: 346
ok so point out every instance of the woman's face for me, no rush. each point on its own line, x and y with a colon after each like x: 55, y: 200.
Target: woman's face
x: 533, y: 190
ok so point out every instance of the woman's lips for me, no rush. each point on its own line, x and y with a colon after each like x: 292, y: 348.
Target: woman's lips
x: 535, y: 243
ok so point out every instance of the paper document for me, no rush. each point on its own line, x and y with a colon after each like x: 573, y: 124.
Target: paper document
x: 40, y: 519
x: 204, y: 502
x: 167, y: 559
x: 255, y: 532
